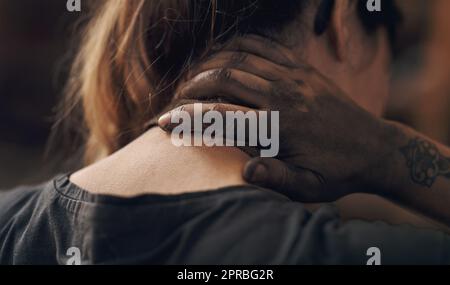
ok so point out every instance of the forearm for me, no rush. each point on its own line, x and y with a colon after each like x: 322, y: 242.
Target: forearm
x: 417, y: 173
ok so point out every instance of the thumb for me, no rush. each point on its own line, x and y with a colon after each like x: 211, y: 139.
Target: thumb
x: 299, y: 184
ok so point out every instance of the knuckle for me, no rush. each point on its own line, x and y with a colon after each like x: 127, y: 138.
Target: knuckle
x: 238, y: 58
x: 222, y: 74
x: 178, y: 111
x: 305, y: 67
x: 218, y: 107
x: 270, y: 43
x: 265, y: 41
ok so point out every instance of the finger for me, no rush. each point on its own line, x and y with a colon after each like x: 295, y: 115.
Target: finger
x: 233, y: 125
x: 166, y: 121
x: 244, y: 62
x: 296, y: 183
x: 263, y: 47
x: 236, y: 86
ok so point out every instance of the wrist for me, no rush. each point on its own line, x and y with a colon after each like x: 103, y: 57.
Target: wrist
x: 383, y: 173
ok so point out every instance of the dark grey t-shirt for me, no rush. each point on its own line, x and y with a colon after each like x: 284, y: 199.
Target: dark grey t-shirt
x: 236, y: 225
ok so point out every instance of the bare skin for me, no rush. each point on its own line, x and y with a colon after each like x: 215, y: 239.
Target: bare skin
x: 152, y: 165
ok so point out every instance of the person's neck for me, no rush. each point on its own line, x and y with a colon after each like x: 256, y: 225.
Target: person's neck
x: 153, y: 165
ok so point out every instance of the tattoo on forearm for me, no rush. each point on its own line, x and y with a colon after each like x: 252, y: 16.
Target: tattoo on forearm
x: 425, y: 162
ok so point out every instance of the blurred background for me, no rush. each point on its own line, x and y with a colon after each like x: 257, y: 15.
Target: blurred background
x: 35, y: 45
x: 35, y: 40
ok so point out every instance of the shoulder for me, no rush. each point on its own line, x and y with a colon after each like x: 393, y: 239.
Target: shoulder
x: 13, y: 200
x: 260, y: 227
x: 260, y: 230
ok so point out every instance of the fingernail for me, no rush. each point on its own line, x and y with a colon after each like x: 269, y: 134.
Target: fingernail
x: 164, y: 121
x: 256, y: 173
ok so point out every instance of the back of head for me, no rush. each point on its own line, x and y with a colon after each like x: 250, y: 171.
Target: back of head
x: 134, y: 53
